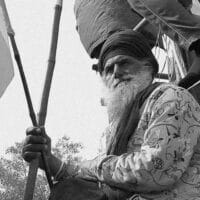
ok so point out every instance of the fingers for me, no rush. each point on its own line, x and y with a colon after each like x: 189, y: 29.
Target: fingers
x: 33, y: 151
x: 35, y: 148
x: 32, y: 139
x: 35, y: 142
x: 29, y: 156
x: 37, y: 135
x: 37, y: 131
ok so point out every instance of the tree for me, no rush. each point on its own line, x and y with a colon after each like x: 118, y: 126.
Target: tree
x: 14, y: 170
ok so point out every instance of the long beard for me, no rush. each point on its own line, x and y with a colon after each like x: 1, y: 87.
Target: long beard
x: 118, y: 98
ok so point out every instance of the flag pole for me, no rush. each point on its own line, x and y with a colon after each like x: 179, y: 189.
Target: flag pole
x: 45, y: 96
x: 51, y: 64
x: 23, y: 78
x: 11, y: 34
x: 141, y: 24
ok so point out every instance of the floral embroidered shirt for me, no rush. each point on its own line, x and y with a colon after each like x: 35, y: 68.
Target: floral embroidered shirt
x: 163, y: 157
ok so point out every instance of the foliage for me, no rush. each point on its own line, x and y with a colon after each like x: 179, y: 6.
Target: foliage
x: 14, y: 170
x: 65, y: 149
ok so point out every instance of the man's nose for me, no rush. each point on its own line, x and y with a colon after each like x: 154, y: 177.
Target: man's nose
x: 118, y: 72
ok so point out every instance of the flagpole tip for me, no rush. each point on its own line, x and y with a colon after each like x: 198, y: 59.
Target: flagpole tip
x: 59, y: 2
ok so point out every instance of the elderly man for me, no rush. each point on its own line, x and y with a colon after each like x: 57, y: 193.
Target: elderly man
x: 151, y: 149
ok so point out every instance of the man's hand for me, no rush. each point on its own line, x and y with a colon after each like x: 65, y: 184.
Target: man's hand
x: 36, y: 141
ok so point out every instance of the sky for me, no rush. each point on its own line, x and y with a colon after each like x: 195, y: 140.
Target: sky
x: 74, y: 107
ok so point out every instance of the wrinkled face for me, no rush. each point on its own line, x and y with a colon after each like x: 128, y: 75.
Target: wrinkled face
x: 121, y: 68
x: 123, y: 77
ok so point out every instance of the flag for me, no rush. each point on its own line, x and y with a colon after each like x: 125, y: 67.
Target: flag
x: 6, y: 64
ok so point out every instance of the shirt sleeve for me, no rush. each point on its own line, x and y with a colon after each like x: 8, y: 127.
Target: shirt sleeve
x: 168, y: 145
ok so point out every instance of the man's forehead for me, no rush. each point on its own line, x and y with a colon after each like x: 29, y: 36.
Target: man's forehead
x: 118, y: 58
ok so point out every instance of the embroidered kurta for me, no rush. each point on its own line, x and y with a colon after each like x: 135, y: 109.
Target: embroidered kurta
x: 163, y: 157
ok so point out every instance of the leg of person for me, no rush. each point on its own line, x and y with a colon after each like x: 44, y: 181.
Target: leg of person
x: 175, y: 21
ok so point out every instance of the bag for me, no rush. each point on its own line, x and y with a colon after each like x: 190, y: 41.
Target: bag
x: 96, y: 20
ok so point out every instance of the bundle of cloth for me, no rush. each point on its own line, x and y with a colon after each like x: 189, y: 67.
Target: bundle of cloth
x: 96, y: 20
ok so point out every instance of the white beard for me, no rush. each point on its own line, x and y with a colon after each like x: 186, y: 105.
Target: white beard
x: 116, y: 99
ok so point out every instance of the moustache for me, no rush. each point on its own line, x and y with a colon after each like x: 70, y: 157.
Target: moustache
x: 122, y: 82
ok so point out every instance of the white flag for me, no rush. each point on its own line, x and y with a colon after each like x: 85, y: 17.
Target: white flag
x: 6, y: 65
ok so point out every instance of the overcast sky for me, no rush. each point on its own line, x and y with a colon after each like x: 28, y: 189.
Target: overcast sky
x: 74, y: 107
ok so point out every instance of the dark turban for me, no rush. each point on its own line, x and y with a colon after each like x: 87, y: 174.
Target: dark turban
x: 127, y: 42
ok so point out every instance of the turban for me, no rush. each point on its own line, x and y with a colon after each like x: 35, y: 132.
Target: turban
x: 127, y: 42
